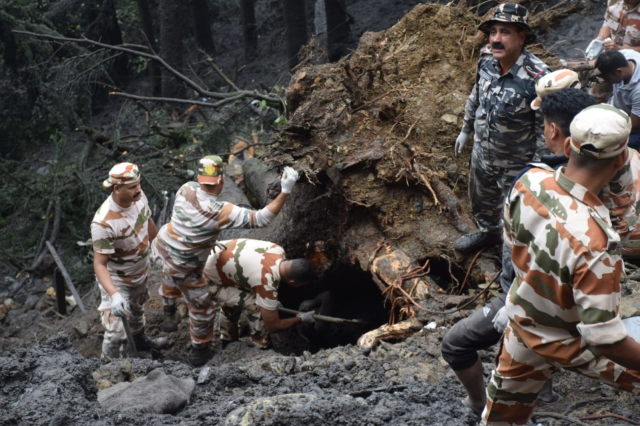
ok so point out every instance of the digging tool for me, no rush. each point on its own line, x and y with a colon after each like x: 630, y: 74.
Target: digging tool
x: 127, y: 331
x: 324, y: 318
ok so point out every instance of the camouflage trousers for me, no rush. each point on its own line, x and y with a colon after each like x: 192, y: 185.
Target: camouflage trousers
x: 489, y: 181
x: 186, y: 279
x: 233, y: 302
x: 114, y: 335
x: 520, y: 374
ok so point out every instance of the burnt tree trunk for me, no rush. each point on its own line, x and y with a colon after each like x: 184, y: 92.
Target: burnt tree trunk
x: 144, y: 12
x: 249, y: 29
x: 337, y: 28
x: 172, y: 32
x: 202, y: 24
x: 295, y: 22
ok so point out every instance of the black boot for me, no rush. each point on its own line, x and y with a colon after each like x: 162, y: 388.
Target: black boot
x: 145, y: 342
x: 171, y: 319
x: 199, y: 356
x: 476, y: 241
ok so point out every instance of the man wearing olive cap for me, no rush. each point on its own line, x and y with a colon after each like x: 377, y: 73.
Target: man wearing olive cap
x: 121, y: 230
x: 183, y: 246
x: 563, y: 305
x: 508, y: 132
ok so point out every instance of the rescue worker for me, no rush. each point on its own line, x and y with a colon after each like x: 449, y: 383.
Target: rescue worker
x: 244, y: 278
x: 620, y: 30
x: 183, y: 246
x: 508, y: 132
x: 621, y: 70
x: 563, y: 305
x: 121, y: 230
x: 560, y: 104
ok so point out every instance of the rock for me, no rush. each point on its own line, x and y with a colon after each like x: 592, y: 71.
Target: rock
x: 630, y: 306
x: 455, y: 301
x: 10, y: 304
x: 258, y: 412
x: 115, y: 372
x: 156, y: 393
x: 183, y: 311
x: 450, y: 118
x: 103, y: 384
x: 82, y: 328
x: 31, y: 302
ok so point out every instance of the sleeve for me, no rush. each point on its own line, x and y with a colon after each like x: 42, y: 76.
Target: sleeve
x: 470, y: 108
x: 635, y: 105
x: 618, y: 197
x: 232, y: 216
x: 103, y: 238
x: 609, y: 18
x: 596, y: 291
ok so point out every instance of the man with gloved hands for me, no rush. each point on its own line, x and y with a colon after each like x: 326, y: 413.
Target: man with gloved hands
x: 245, y: 277
x: 121, y: 230
x: 183, y: 246
x: 508, y: 132
x: 621, y: 29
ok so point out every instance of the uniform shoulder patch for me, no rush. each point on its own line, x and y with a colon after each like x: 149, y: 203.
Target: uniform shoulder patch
x: 535, y: 67
x: 486, y: 50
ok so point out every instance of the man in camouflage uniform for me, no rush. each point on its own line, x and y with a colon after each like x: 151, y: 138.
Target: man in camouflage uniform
x: 508, y: 133
x: 183, y: 245
x: 245, y: 277
x: 563, y: 305
x: 621, y: 28
x: 121, y: 230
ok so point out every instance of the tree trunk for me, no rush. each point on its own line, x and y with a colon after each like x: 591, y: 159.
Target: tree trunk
x: 144, y: 13
x: 172, y: 26
x: 295, y: 22
x: 202, y: 24
x: 337, y: 28
x: 249, y: 32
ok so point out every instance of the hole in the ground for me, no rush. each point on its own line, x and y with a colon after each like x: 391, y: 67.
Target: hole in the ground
x: 346, y: 292
x: 442, y: 270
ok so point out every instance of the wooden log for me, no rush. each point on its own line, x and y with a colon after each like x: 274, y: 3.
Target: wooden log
x: 66, y: 276
x: 400, y: 330
x: 260, y: 180
x: 59, y: 285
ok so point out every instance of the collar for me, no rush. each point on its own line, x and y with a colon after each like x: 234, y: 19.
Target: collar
x: 515, y: 68
x: 580, y: 193
x: 553, y: 160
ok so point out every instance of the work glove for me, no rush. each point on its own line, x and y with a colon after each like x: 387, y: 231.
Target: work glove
x: 307, y: 317
x: 289, y: 178
x: 307, y: 305
x: 462, y: 140
x: 594, y: 49
x: 501, y: 320
x: 120, y: 306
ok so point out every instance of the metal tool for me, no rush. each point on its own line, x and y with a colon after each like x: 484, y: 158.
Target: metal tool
x: 324, y: 318
x: 132, y: 344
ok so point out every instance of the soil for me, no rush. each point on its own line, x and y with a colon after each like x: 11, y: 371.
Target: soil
x: 367, y: 132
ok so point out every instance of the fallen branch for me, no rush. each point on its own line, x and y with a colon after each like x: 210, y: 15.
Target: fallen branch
x: 66, y: 276
x: 19, y: 182
x: 559, y: 416
x: 236, y: 96
x: 54, y: 234
x: 367, y: 392
x: 220, y: 73
x: 605, y: 415
x: 572, y: 406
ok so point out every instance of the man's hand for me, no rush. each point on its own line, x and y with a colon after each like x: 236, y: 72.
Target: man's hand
x: 594, y: 49
x: 288, y: 181
x: 611, y: 45
x: 501, y: 320
x: 119, y: 306
x: 307, y: 317
x: 462, y: 140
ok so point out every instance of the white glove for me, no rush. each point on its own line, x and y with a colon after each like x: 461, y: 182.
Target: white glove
x: 307, y: 317
x: 501, y: 320
x: 289, y: 178
x: 462, y: 140
x: 594, y: 49
x: 120, y: 306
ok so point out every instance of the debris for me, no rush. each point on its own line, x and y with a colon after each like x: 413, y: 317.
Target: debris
x: 82, y: 328
x: 396, y: 331
x: 204, y: 375
x: 114, y: 372
x: 450, y: 118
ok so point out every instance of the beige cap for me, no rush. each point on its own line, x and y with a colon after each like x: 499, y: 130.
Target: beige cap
x: 552, y: 82
x: 122, y: 174
x: 600, y: 131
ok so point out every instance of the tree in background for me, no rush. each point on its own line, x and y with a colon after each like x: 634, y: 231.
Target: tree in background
x: 144, y: 13
x: 249, y: 29
x: 202, y: 23
x: 173, y: 14
x: 295, y: 22
x: 337, y: 28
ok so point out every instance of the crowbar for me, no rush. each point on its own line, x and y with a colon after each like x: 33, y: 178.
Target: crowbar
x: 323, y: 317
x: 127, y: 331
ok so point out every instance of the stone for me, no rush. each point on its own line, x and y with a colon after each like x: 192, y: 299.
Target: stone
x: 455, y: 301
x: 183, y: 311
x: 103, y: 384
x: 82, y: 328
x: 630, y: 306
x: 261, y: 410
x: 155, y: 393
x: 115, y: 372
x: 450, y: 118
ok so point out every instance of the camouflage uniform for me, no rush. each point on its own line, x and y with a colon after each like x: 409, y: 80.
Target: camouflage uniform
x: 183, y: 246
x: 123, y: 235
x: 623, y: 22
x: 565, y: 297
x: 244, y: 278
x: 507, y: 131
x: 631, y: 242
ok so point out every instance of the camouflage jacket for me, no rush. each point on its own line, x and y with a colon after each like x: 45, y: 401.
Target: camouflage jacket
x: 251, y: 265
x: 623, y: 22
x: 123, y: 234
x: 198, y: 218
x: 499, y: 108
x: 566, y: 294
